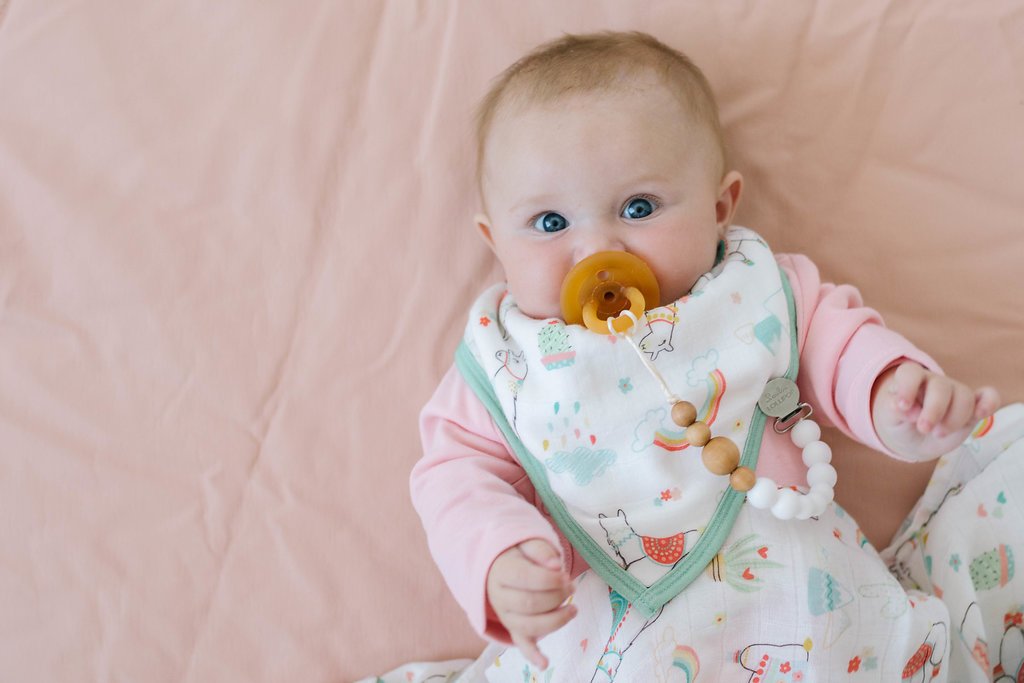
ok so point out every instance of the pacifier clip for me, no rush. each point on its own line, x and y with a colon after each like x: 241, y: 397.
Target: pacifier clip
x: 721, y: 455
x: 611, y: 289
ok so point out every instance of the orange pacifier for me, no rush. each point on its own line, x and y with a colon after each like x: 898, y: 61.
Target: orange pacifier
x: 603, y: 286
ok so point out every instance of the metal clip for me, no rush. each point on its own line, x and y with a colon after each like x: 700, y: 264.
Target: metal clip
x: 784, y: 424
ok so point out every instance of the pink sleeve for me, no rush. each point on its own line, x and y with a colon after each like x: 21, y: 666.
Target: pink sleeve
x: 474, y: 499
x: 844, y: 347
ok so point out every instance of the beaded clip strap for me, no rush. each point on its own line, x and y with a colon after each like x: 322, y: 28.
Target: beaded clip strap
x: 721, y: 455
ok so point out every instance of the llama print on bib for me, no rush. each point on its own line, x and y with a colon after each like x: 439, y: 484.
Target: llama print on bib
x: 661, y: 323
x: 630, y: 547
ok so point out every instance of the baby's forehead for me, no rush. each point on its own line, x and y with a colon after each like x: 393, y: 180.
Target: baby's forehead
x: 584, y: 104
x: 658, y: 104
x: 635, y: 111
x: 634, y: 131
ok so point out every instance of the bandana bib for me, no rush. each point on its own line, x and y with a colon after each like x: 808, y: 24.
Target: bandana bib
x: 593, y: 431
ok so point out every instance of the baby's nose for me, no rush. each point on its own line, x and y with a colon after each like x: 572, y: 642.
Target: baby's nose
x: 594, y: 241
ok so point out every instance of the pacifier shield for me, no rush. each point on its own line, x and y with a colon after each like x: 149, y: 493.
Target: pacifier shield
x: 607, y: 283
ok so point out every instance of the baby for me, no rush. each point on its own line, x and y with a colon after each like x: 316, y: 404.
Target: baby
x: 560, y: 500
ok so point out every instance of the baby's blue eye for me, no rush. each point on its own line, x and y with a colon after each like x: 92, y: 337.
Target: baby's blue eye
x: 638, y: 207
x: 550, y: 222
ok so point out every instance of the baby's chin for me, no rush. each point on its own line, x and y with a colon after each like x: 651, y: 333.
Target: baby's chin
x: 668, y: 297
x: 539, y: 312
x: 537, y: 307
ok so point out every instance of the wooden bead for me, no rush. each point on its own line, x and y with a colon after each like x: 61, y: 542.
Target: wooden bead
x: 684, y: 413
x: 742, y: 479
x: 720, y: 455
x: 698, y: 434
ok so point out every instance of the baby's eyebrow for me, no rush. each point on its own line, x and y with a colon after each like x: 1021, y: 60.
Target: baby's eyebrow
x: 645, y: 179
x: 534, y: 200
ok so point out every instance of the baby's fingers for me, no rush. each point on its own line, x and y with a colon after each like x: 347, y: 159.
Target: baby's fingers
x: 937, y: 395
x: 986, y: 402
x: 528, y: 646
x: 526, y: 602
x: 539, y: 625
x: 521, y: 574
x: 527, y: 629
x: 960, y: 414
x: 907, y: 382
x: 540, y: 553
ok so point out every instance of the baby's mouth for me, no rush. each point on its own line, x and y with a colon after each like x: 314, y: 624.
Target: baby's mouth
x: 603, y: 286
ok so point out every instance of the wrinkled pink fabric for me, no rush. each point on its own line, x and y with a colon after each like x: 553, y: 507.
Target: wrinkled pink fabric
x: 476, y: 501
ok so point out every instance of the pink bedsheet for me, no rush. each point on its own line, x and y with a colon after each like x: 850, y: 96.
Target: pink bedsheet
x: 236, y: 248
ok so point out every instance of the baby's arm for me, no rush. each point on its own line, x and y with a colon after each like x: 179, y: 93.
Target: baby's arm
x: 848, y: 358
x: 474, y: 500
x: 921, y: 414
x: 844, y: 347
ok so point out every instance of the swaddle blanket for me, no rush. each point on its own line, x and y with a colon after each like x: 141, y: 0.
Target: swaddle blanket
x: 812, y: 601
x: 761, y: 599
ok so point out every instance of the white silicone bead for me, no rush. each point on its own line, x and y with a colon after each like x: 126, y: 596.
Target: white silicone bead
x: 787, y: 505
x: 825, y: 494
x: 821, y: 475
x: 764, y: 494
x: 808, y: 507
x: 817, y: 452
x: 805, y: 432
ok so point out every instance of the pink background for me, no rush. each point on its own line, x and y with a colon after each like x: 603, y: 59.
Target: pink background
x: 236, y: 251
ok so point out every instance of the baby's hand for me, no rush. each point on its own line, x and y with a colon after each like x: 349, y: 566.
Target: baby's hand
x: 921, y: 414
x: 526, y: 587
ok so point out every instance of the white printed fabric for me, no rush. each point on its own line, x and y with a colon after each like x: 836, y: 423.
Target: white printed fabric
x: 812, y: 602
x: 790, y: 600
x: 584, y: 405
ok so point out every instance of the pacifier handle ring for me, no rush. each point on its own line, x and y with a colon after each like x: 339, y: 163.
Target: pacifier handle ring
x: 611, y: 322
x: 636, y: 309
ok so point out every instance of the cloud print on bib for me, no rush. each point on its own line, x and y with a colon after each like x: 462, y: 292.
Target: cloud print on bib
x: 584, y: 464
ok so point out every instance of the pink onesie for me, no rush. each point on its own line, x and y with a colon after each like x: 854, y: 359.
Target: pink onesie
x: 476, y: 501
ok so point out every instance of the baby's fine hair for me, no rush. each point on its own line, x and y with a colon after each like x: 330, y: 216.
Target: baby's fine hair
x: 597, y: 62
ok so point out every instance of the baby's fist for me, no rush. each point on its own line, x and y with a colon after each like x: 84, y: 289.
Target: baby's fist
x: 919, y: 413
x: 527, y: 587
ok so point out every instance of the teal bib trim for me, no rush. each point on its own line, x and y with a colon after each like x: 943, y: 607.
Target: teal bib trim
x: 647, y: 599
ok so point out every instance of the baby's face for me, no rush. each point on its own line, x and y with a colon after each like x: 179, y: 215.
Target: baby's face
x: 625, y: 171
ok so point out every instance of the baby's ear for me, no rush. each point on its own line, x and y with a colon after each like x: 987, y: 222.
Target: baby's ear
x: 483, y: 225
x: 729, y: 191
